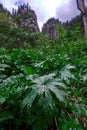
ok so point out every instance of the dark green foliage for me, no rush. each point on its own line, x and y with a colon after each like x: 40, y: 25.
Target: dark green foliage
x: 75, y: 28
x: 45, y: 86
x: 15, y: 38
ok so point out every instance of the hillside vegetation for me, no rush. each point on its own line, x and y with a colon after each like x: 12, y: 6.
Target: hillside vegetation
x: 43, y: 83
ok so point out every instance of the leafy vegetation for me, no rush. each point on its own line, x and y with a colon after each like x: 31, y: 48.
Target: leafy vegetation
x: 45, y: 88
x: 43, y: 83
x: 3, y: 18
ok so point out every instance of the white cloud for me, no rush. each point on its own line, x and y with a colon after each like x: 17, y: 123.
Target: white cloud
x: 67, y: 10
x: 45, y: 9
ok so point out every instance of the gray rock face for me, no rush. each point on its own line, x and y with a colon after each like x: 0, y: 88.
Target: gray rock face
x: 49, y: 28
x: 27, y: 18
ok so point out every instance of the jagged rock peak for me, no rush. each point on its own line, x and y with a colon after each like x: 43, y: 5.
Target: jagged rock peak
x: 49, y: 28
x: 26, y: 17
x: 22, y: 9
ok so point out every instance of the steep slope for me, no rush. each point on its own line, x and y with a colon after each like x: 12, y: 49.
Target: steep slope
x: 6, y: 18
x: 49, y: 28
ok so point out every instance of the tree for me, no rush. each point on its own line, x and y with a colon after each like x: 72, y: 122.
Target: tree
x: 81, y: 7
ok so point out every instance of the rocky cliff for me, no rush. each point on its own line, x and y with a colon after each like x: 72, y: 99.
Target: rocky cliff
x: 26, y: 17
x: 49, y: 28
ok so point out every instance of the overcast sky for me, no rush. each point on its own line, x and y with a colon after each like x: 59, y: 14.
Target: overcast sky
x: 45, y: 9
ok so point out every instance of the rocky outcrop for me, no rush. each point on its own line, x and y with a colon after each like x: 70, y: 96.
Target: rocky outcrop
x: 26, y: 18
x: 49, y: 28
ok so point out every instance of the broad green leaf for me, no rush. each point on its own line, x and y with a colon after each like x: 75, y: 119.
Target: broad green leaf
x: 65, y: 73
x: 29, y: 99
x: 29, y: 70
x: 48, y: 83
x: 5, y: 116
x: 58, y: 93
x: 2, y: 99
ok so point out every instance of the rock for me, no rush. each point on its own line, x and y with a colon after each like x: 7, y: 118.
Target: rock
x: 26, y: 18
x: 49, y: 28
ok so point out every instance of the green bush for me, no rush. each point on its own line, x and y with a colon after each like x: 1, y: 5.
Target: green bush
x: 45, y: 88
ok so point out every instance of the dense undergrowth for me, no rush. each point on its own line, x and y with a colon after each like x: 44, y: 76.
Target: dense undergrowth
x: 44, y: 87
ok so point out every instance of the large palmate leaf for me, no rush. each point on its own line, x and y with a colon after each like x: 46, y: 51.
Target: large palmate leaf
x: 44, y: 86
x: 42, y: 99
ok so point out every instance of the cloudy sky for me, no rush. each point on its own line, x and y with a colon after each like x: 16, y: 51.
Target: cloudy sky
x: 45, y: 9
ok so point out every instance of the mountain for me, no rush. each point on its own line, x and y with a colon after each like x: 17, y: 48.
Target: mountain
x: 25, y: 17
x: 49, y: 28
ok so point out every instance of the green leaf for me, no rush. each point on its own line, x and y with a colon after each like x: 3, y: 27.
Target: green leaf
x: 58, y: 93
x: 5, y: 116
x: 44, y: 84
x: 29, y: 99
x: 65, y: 73
x: 2, y: 99
x: 28, y: 70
